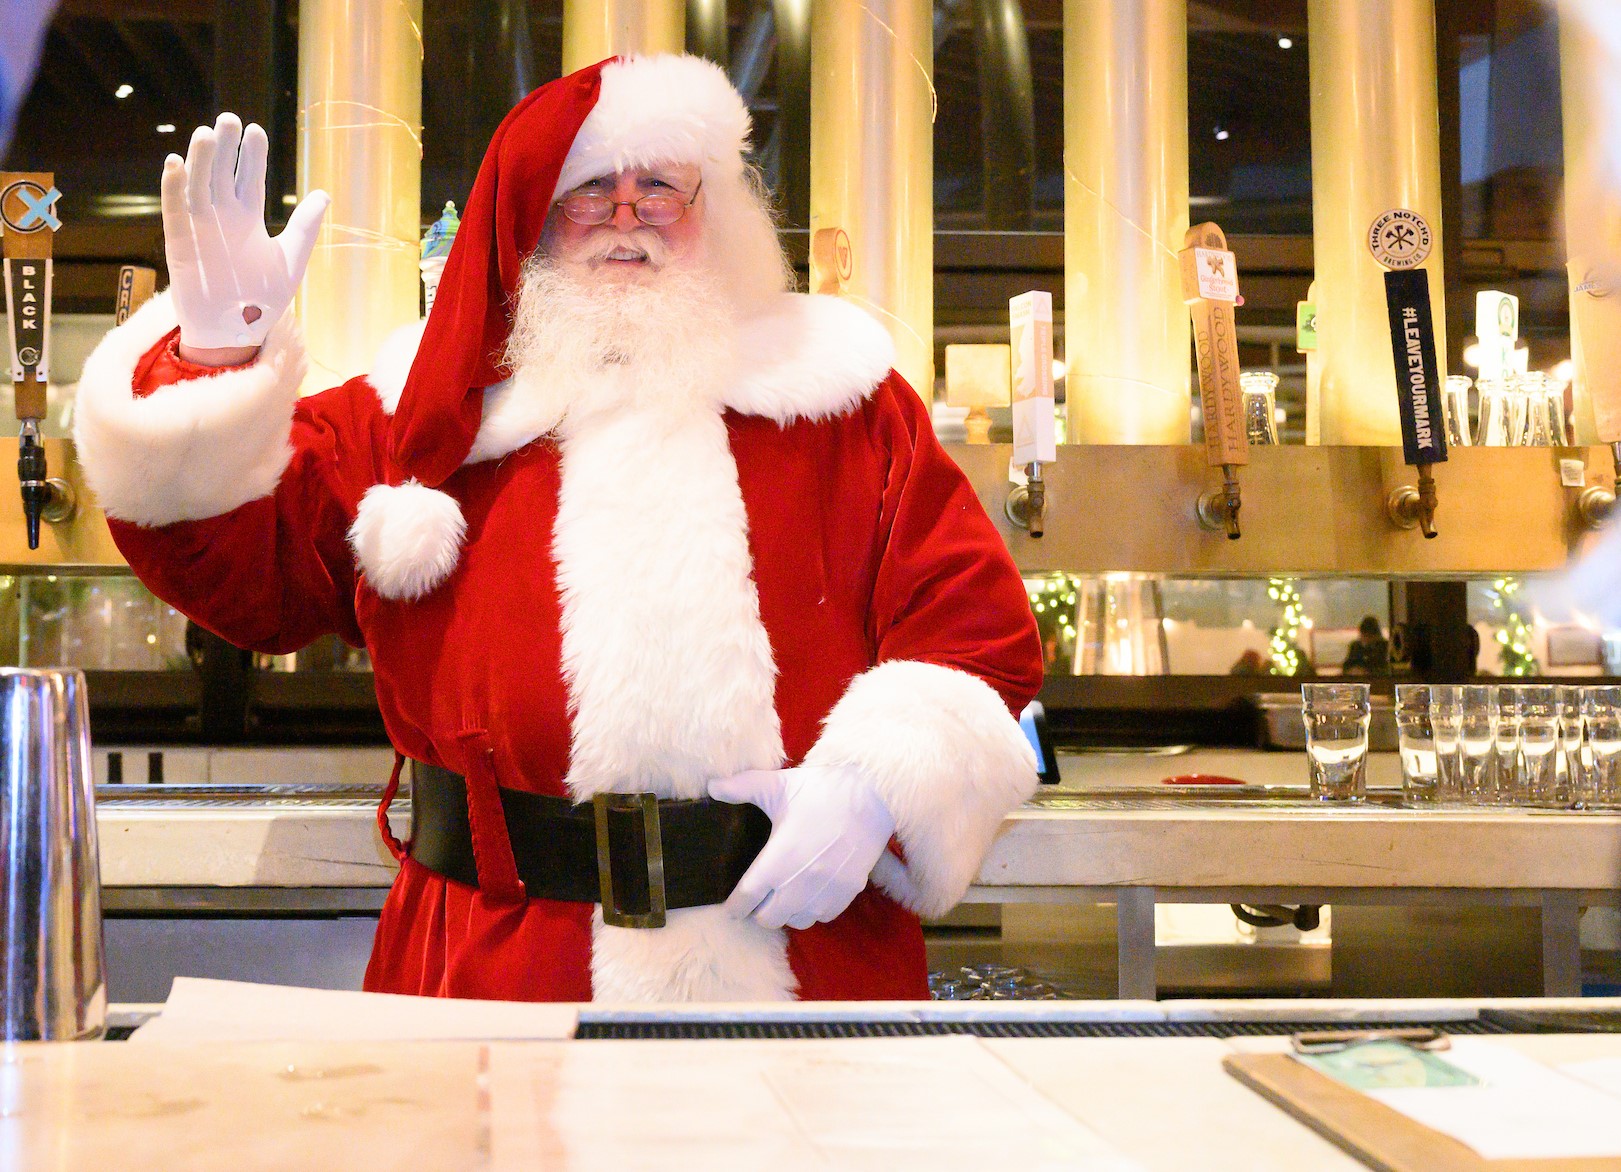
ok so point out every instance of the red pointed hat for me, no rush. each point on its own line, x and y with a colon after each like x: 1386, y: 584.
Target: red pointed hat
x: 605, y: 118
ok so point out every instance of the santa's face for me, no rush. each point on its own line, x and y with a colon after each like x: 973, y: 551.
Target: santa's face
x: 623, y: 248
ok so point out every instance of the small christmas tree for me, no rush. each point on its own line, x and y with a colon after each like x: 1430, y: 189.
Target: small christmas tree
x: 1052, y: 598
x: 1287, y: 659
x: 1514, y: 640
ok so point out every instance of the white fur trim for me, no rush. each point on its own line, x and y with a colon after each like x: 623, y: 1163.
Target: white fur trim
x: 806, y: 357
x: 407, y: 538
x: 946, y: 758
x: 196, y: 449
x: 392, y: 366
x: 660, y: 109
x: 701, y: 954
x: 669, y: 669
x: 517, y: 411
x: 811, y: 357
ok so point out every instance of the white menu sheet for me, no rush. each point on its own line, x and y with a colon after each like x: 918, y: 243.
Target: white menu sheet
x: 202, y: 1010
x: 1526, y: 1110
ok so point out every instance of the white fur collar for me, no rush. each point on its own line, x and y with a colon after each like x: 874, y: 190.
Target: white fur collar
x: 805, y: 357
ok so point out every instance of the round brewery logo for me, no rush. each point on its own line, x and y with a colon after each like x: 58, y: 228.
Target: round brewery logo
x: 1595, y: 284
x: 25, y: 207
x: 843, y: 255
x: 1400, y: 239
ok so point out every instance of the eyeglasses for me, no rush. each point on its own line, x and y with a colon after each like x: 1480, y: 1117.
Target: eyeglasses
x: 656, y: 211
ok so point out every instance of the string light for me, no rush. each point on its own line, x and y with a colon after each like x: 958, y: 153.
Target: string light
x: 1514, y: 639
x: 1052, y: 599
x: 1284, y: 643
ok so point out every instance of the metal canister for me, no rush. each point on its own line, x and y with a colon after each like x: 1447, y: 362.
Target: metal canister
x: 52, y: 967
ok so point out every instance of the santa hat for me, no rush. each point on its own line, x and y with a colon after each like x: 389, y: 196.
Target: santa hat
x: 608, y: 117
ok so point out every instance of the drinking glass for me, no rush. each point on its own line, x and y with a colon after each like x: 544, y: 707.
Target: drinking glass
x: 1446, y: 725
x: 1536, y: 775
x: 1572, y: 773
x: 1506, y: 775
x: 1455, y: 409
x: 1538, y: 427
x: 1477, y: 741
x: 1415, y: 740
x: 1259, y: 389
x: 1493, y: 430
x: 1518, y: 421
x: 1554, y: 392
x: 1336, y: 717
x: 1601, y: 724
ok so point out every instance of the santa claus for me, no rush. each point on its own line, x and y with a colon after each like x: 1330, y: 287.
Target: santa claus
x: 641, y: 543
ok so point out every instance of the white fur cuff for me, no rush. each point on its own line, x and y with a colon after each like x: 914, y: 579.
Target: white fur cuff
x: 946, y: 758
x: 196, y: 449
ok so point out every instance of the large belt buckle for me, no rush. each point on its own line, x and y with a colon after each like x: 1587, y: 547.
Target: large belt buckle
x: 648, y: 804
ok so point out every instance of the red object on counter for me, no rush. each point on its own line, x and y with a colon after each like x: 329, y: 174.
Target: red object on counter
x: 1201, y: 779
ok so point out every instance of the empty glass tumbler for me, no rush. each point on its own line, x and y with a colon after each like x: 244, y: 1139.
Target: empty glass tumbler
x: 1506, y: 775
x: 1416, y: 741
x: 1477, y: 742
x: 1446, y: 728
x: 1601, y: 733
x: 1259, y: 389
x: 1535, y: 761
x: 1572, y: 772
x: 1336, y: 717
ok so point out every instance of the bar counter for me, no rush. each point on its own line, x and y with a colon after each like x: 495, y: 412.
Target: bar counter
x: 941, y: 1102
x: 1109, y: 833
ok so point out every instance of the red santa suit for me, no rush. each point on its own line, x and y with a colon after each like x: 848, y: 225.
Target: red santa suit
x: 792, y: 571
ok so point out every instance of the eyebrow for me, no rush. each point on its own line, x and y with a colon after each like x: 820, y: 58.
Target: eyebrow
x: 666, y: 177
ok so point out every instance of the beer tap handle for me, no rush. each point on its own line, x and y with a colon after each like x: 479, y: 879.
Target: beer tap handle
x: 1210, y: 288
x: 28, y: 207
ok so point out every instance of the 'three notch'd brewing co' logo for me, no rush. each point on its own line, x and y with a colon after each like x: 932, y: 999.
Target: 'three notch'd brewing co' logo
x: 27, y: 208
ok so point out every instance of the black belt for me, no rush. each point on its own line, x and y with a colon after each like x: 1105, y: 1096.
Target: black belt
x: 633, y: 853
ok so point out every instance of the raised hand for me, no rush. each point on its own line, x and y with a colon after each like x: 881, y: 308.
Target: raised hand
x: 230, y: 281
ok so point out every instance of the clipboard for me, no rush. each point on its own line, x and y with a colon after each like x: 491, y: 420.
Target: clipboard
x: 1381, y: 1137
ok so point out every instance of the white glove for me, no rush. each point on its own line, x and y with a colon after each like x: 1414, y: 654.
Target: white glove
x: 829, y: 829
x: 230, y: 281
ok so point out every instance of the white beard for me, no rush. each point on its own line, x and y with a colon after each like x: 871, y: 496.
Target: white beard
x: 664, y: 343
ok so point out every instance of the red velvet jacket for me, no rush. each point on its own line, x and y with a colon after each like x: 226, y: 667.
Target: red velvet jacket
x: 590, y: 609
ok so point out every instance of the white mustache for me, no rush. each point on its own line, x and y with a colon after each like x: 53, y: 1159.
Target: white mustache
x: 643, y: 240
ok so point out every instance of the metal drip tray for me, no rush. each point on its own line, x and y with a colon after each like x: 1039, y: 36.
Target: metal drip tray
x: 1220, y: 797
x: 1280, y: 798
x: 226, y: 796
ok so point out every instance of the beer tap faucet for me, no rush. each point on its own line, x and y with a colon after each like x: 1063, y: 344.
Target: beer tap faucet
x: 1411, y: 507
x: 1218, y: 508
x: 1210, y: 287
x: 1596, y: 504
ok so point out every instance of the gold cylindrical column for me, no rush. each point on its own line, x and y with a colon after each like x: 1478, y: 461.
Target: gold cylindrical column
x: 1592, y: 215
x: 872, y: 168
x: 360, y: 139
x: 597, y: 29
x: 1375, y: 146
x: 1125, y: 215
